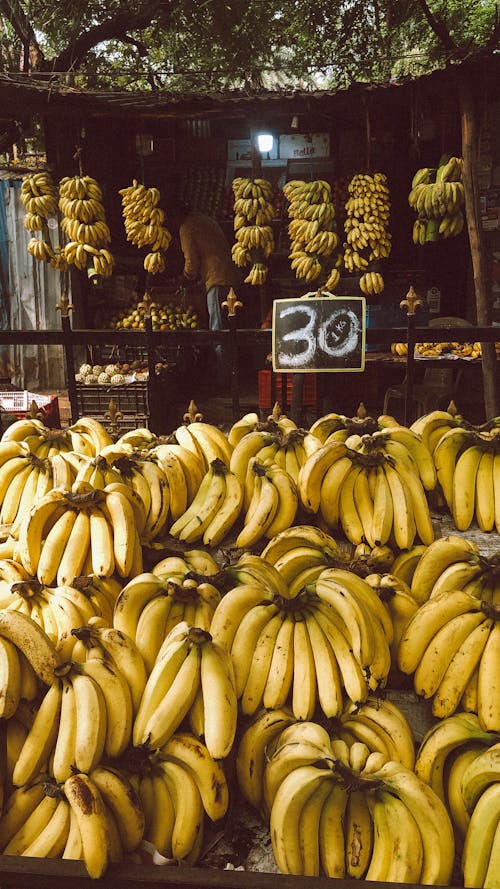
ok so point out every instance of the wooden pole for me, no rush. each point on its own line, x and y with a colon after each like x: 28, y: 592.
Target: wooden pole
x: 476, y: 240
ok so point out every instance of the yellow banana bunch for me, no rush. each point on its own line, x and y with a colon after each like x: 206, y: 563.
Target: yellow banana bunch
x: 252, y: 227
x: 257, y: 274
x: 144, y: 223
x: 437, y: 196
x: 371, y: 283
x: 313, y: 240
x: 343, y: 810
x: 84, y: 224
x: 366, y: 228
x: 39, y: 198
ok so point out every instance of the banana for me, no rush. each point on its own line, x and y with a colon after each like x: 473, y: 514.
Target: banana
x: 484, y: 507
x: 91, y: 721
x: 119, y: 794
x: 458, y: 762
x: 213, y: 443
x: 439, y: 742
x: 422, y: 456
x: 445, y: 455
x: 480, y: 837
x: 438, y: 843
x: 159, y: 832
x: 397, y: 849
x: 288, y: 501
x: 353, y: 614
x: 404, y: 525
x: 331, y: 486
x: 418, y: 499
x: 458, y: 576
x: 188, y: 809
x: 154, y: 726
x: 313, y: 471
x: 426, y: 622
x: 353, y: 678
x: 248, y: 447
x: 331, y: 832
x: 280, y: 677
x: 101, y: 544
x: 35, y: 824
x: 172, y: 466
x: 41, y: 737
x: 52, y: 839
x: 75, y: 552
x: 488, y: 707
x: 443, y: 646
x: 10, y: 678
x: 32, y: 641
x: 88, y: 806
x: 328, y: 680
x: 259, y: 516
x: 252, y: 695
x: 308, y: 829
x: 440, y: 554
x: 287, y: 808
x: 193, y: 755
x: 34, y: 526
x: 394, y: 726
x: 252, y: 624
x: 304, y: 684
x: 125, y: 535
x: 63, y: 758
x: 118, y: 703
x: 460, y: 670
x: 231, y: 609
x: 54, y: 546
x: 464, y: 487
x: 132, y: 599
x: 227, y: 513
x: 358, y: 834
x: 252, y: 751
x: 220, y: 704
x: 20, y: 804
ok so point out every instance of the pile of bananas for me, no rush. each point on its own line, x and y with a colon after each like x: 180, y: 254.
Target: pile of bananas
x: 373, y: 487
x: 39, y: 198
x: 253, y: 215
x: 313, y: 239
x: 434, y: 350
x: 437, y: 196
x: 459, y: 760
x: 368, y: 239
x: 132, y: 688
x: 144, y: 224
x: 288, y: 648
x: 84, y: 224
x: 342, y: 809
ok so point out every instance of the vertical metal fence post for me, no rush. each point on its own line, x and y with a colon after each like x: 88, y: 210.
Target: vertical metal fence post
x: 232, y: 303
x: 411, y: 303
x: 64, y: 306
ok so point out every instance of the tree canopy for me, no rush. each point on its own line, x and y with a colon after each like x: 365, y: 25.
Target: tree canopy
x: 182, y: 44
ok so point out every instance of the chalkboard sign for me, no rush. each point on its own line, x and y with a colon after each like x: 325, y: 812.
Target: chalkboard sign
x: 325, y: 333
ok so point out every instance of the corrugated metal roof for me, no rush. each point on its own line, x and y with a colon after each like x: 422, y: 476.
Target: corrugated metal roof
x: 50, y: 95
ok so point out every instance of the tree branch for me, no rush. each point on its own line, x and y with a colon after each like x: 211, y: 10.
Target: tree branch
x: 439, y: 28
x: 117, y: 28
x: 32, y: 54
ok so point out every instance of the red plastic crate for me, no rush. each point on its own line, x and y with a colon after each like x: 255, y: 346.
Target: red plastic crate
x: 279, y: 387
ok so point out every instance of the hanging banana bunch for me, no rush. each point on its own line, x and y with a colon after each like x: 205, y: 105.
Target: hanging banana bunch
x: 39, y: 198
x: 144, y: 224
x: 368, y: 239
x: 313, y: 240
x: 84, y: 224
x: 437, y: 196
x: 253, y: 214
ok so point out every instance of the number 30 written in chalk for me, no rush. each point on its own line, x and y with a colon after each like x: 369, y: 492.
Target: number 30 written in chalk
x: 326, y: 333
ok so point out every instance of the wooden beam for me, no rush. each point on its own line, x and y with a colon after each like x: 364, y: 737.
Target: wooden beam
x: 470, y: 142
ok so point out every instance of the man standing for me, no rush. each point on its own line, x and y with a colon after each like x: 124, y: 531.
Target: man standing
x: 207, y: 259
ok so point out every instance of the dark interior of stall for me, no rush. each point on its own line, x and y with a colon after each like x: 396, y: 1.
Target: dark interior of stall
x: 396, y: 130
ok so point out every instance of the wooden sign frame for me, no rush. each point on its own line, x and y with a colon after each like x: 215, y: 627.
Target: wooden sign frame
x: 319, y: 333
